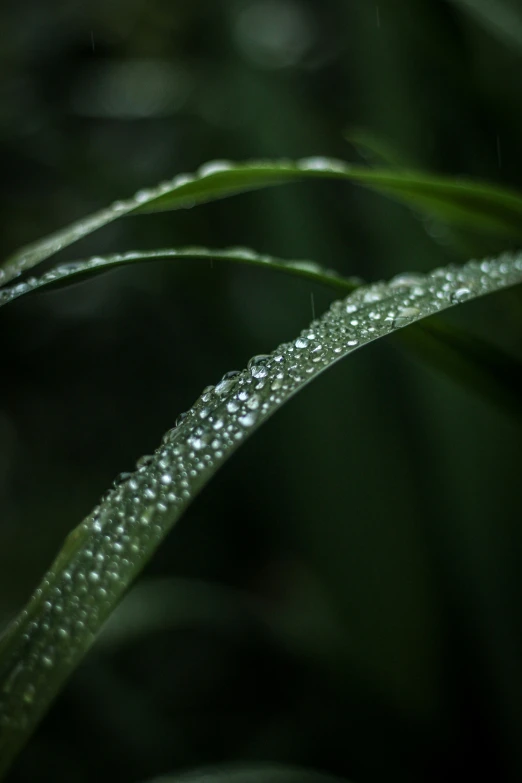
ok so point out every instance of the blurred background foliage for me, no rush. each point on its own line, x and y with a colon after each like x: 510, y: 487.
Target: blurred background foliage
x: 346, y: 594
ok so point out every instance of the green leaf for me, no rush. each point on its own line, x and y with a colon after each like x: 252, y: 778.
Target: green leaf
x: 487, y: 207
x: 503, y: 19
x: 105, y: 553
x: 76, y: 271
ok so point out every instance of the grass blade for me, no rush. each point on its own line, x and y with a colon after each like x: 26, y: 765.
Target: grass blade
x: 77, y: 271
x: 103, y: 555
x: 502, y: 19
x: 486, y: 207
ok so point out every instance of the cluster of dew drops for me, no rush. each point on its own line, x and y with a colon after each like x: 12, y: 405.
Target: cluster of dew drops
x: 121, y: 533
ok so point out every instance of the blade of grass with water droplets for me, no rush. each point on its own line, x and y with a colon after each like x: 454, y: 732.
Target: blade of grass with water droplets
x: 76, y: 271
x: 488, y: 207
x: 102, y: 556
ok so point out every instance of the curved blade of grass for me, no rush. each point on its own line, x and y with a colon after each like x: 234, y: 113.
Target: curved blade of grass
x: 483, y: 206
x: 103, y: 555
x: 472, y: 362
x: 77, y: 271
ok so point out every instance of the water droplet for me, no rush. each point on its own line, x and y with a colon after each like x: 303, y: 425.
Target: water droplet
x: 461, y: 294
x: 144, y: 195
x: 121, y: 478
x: 261, y: 358
x: 198, y: 442
x: 225, y: 385
x: 408, y: 312
x: 214, y: 167
x: 253, y: 402
x: 372, y: 295
x: 247, y: 420
x: 318, y: 163
x: 259, y: 371
x: 144, y: 461
x: 231, y: 374
x: 168, y: 437
x: 407, y: 279
x: 181, y: 418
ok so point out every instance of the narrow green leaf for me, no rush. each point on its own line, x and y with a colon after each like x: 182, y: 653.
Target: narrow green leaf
x: 76, y: 271
x: 503, y: 18
x: 488, y: 207
x: 103, y: 555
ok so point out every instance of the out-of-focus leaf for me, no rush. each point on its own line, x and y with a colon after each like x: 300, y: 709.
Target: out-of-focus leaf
x: 374, y: 149
x: 251, y: 773
x: 164, y: 604
x: 465, y: 239
x: 478, y: 365
x: 502, y: 18
x: 105, y: 553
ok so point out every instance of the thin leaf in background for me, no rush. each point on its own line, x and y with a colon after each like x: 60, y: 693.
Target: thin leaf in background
x: 503, y: 18
x: 481, y: 367
x: 105, y: 553
x: 374, y: 149
x: 259, y: 773
x: 464, y: 239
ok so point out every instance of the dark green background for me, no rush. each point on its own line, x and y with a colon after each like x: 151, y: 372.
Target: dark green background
x: 346, y: 595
